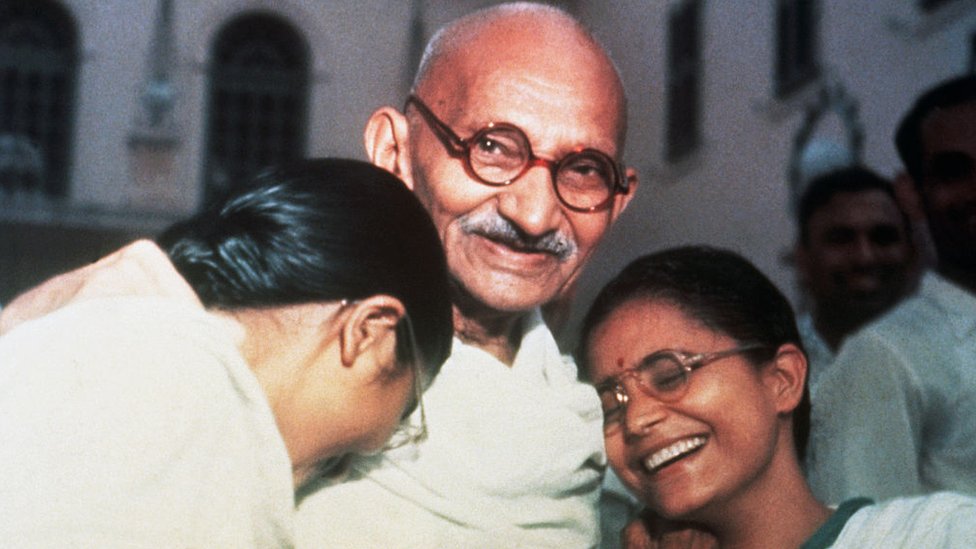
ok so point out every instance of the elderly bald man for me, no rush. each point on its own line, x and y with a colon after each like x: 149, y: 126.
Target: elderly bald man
x: 512, y: 139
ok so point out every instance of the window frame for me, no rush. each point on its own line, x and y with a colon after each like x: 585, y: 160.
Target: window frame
x: 797, y: 51
x: 683, y: 114
x: 39, y: 65
x: 258, y: 87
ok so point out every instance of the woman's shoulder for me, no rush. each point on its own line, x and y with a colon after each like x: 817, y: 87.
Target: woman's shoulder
x: 116, y: 326
x: 108, y: 350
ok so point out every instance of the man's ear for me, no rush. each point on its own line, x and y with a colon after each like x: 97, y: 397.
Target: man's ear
x: 369, y: 326
x: 621, y: 201
x: 386, y: 137
x: 785, y: 377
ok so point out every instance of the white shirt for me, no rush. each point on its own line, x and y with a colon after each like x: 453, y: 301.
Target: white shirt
x: 135, y: 422
x: 938, y: 521
x: 513, y: 459
x: 896, y: 413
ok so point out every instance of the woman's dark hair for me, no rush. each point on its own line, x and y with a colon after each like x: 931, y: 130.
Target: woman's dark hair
x: 321, y: 230
x: 719, y: 289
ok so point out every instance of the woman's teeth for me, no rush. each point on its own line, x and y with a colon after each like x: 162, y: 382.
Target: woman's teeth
x: 680, y: 448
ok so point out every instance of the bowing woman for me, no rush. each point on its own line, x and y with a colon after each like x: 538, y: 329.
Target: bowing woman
x: 296, y: 320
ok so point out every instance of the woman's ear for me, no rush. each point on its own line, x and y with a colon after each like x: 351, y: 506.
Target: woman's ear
x: 386, y: 137
x: 370, y: 327
x: 785, y: 376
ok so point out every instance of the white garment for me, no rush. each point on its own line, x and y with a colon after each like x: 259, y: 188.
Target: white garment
x: 513, y: 459
x: 896, y: 413
x: 937, y: 521
x: 135, y: 422
x: 819, y: 354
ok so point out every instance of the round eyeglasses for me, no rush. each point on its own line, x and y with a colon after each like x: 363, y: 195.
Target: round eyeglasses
x: 498, y: 154
x: 662, y: 375
x: 412, y: 430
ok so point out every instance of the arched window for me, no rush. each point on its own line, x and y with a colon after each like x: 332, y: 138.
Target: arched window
x: 38, y: 66
x: 684, y: 79
x: 257, y: 101
x: 797, y: 45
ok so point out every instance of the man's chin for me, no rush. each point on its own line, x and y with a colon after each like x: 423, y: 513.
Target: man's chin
x: 505, y: 296
x: 513, y: 303
x: 867, y: 308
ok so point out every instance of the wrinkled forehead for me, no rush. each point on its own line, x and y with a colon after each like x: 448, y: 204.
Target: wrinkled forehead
x: 561, y: 89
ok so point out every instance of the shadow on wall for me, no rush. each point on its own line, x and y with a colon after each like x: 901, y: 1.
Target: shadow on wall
x: 29, y: 253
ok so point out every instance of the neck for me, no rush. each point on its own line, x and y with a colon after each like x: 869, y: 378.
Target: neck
x: 834, y: 325
x: 830, y: 332
x: 498, y: 334
x: 284, y: 347
x: 493, y: 331
x: 776, y: 510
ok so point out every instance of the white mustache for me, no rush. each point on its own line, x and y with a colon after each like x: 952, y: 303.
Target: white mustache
x: 498, y: 228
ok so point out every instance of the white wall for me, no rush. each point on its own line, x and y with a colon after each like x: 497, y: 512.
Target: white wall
x: 731, y: 193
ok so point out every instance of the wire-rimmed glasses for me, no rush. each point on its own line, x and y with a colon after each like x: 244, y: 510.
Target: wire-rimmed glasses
x: 411, y: 430
x: 662, y: 375
x: 585, y: 180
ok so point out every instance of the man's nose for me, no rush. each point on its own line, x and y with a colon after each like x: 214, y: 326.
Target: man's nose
x: 530, y: 202
x: 865, y: 250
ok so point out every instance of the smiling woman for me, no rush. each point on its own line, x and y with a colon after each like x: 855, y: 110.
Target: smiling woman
x: 295, y: 321
x: 700, y: 369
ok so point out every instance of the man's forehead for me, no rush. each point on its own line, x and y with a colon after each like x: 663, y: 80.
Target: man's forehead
x: 554, y: 112
x: 859, y: 208
x: 950, y: 128
x: 507, y: 73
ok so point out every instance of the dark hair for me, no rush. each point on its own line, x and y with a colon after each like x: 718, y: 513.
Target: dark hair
x: 822, y: 189
x: 908, y: 137
x: 320, y: 230
x: 719, y: 289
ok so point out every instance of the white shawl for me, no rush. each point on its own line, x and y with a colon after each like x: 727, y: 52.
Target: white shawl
x: 513, y: 459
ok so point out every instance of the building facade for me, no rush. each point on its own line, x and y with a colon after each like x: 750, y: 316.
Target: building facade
x: 118, y: 117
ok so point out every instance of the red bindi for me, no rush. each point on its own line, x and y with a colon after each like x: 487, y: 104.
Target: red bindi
x: 620, y: 362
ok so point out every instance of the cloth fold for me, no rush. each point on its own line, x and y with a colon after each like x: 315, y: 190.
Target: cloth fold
x: 514, y: 457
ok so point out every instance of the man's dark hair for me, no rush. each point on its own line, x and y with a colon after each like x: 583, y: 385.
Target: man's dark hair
x: 317, y: 231
x: 822, y: 189
x: 718, y: 288
x: 908, y: 137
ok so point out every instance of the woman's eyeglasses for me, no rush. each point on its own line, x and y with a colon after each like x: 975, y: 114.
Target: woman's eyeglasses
x: 662, y: 375
x: 411, y: 430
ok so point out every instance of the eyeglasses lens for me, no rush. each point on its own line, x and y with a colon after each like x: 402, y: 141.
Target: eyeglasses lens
x: 585, y: 180
x: 499, y: 155
x: 664, y: 376
x: 405, y: 434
